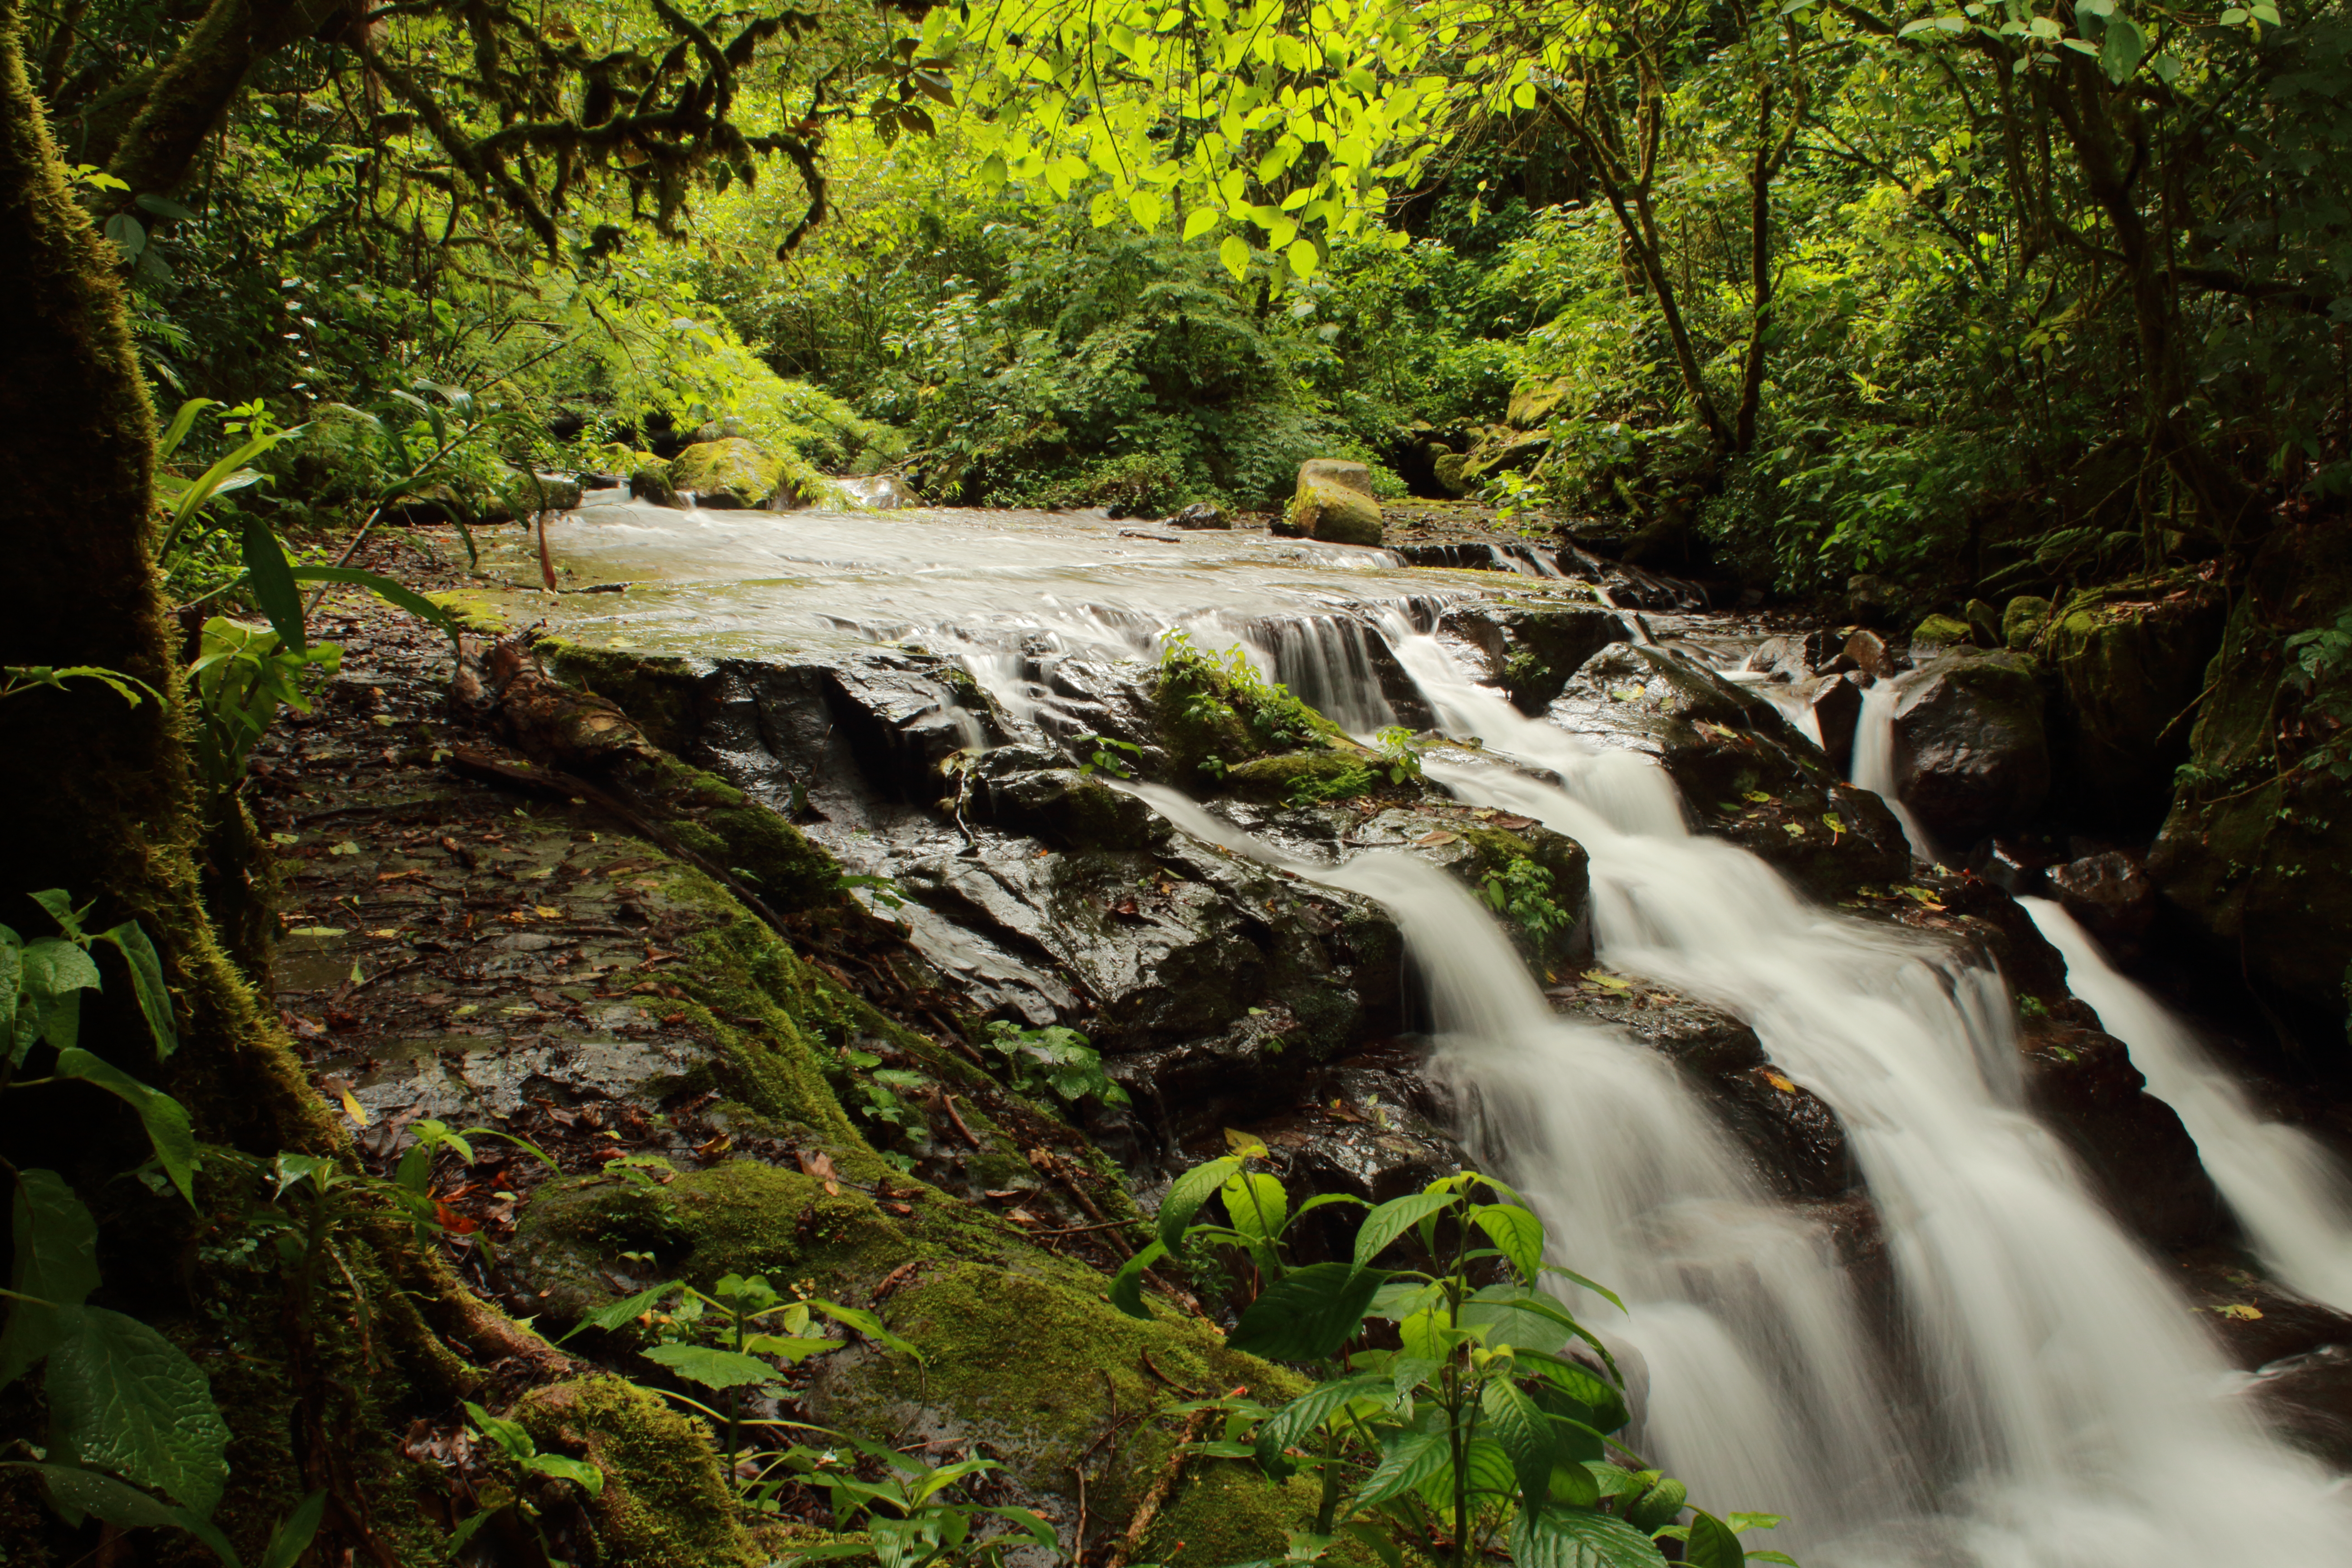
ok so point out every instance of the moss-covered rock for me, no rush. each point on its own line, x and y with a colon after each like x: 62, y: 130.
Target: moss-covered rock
x: 2129, y: 663
x: 1334, y: 502
x: 1942, y: 631
x: 733, y: 469
x: 664, y: 1503
x: 1304, y: 776
x: 1971, y: 754
x: 651, y: 481
x: 2022, y: 621
x: 1447, y: 468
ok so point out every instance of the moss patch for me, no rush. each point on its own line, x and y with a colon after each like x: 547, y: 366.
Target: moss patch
x: 665, y: 1504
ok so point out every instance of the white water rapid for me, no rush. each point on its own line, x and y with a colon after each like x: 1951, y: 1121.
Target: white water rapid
x: 2292, y: 1196
x: 1874, y: 763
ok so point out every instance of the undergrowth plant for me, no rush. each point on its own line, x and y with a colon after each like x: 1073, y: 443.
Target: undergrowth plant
x: 1217, y: 686
x: 1522, y: 891
x: 1054, y: 1059
x: 1478, y: 1418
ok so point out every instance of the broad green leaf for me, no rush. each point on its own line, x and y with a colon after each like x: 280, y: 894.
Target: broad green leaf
x: 127, y: 234
x: 1514, y: 1420
x: 1392, y: 1219
x: 272, y: 581
x: 712, y: 1368
x: 615, y: 1314
x: 54, y: 966
x: 1200, y: 221
x: 1713, y: 1543
x: 1658, y: 1505
x: 294, y: 1532
x: 101, y: 1496
x: 123, y: 1398
x: 993, y: 170
x: 1571, y: 1537
x: 514, y: 1438
x: 2121, y: 47
x: 1606, y: 1405
x: 1256, y: 1204
x: 1308, y: 1313
x: 1296, y: 1421
x: 1235, y: 254
x: 182, y: 423
x: 1127, y: 1285
x: 147, y: 984
x: 165, y: 1118
x: 56, y: 1268
x: 1516, y: 1233
x: 1186, y: 1196
x: 1412, y: 1459
x: 12, y: 978
x: 579, y: 1472
x: 163, y: 206
x: 1302, y: 258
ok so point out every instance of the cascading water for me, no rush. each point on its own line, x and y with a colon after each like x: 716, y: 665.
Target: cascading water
x: 1874, y: 763
x: 2067, y: 1409
x: 2047, y: 1402
x: 2292, y: 1196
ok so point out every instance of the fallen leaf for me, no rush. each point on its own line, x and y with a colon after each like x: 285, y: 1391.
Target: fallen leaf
x: 386, y: 931
x: 348, y: 846
x: 1611, y: 981
x: 1441, y: 835
x: 317, y: 931
x: 545, y: 914
x: 820, y: 1165
x: 2238, y: 1311
x: 1021, y: 1216
x: 1777, y: 1081
x: 452, y: 1220
x: 717, y: 1145
x: 1514, y: 824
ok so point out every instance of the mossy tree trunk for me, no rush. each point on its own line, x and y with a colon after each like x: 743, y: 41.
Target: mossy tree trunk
x: 100, y: 797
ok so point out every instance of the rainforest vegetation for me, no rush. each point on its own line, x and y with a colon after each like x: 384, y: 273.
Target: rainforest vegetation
x: 2020, y: 324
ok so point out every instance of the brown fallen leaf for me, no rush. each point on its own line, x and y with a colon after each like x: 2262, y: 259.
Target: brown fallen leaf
x: 820, y: 1165
x: 1513, y: 824
x: 1440, y: 835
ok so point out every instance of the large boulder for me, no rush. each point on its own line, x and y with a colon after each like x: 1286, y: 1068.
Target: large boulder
x: 2081, y: 1082
x: 2130, y: 662
x: 1970, y: 753
x: 1334, y: 502
x: 2111, y: 895
x: 1531, y: 649
x: 1745, y: 772
x: 2252, y: 852
x: 651, y: 483
x: 730, y: 472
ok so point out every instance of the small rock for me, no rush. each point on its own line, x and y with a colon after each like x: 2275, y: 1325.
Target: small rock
x: 1836, y: 704
x: 2111, y: 895
x: 1867, y: 651
x: 2022, y: 621
x: 1200, y: 514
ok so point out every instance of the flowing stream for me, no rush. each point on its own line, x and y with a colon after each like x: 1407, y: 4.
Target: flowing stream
x: 2290, y: 1194
x: 2044, y: 1399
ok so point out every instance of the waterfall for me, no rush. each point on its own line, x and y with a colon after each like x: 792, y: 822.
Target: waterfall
x: 2291, y: 1196
x: 2067, y: 1410
x: 1874, y: 763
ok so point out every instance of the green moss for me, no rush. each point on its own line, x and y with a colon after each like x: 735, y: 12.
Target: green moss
x: 665, y: 1504
x: 731, y: 466
x: 1328, y: 775
x: 485, y: 611
x: 658, y: 691
x: 1944, y: 631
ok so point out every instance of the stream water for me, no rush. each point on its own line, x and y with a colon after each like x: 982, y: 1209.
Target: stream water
x: 2045, y: 1400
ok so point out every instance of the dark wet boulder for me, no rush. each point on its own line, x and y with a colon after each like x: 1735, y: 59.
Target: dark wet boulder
x: 1835, y: 703
x: 1479, y: 850
x: 651, y: 483
x: 1200, y: 514
x: 1062, y: 807
x: 1984, y: 921
x: 2252, y: 855
x: 1970, y: 753
x: 2138, y: 1156
x: 1531, y: 649
x: 2129, y: 663
x: 2110, y: 894
x: 1796, y: 659
x: 1745, y: 772
x: 1791, y: 1136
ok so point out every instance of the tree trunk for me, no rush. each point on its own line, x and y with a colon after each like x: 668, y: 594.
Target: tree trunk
x: 187, y: 98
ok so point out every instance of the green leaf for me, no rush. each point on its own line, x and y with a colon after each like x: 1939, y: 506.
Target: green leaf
x: 1235, y: 254
x: 272, y: 581
x: 123, y: 1398
x: 579, y: 1472
x: 56, y: 1267
x: 1409, y: 1461
x: 712, y: 1368
x: 1392, y: 1219
x: 1186, y: 1196
x: 1657, y: 1508
x: 294, y: 1532
x: 1516, y: 1233
x: 127, y: 234
x: 54, y: 966
x: 993, y: 171
x: 1308, y: 1313
x: 1605, y: 1404
x: 1258, y: 1204
x: 865, y: 1323
x: 182, y: 423
x: 1127, y: 1285
x: 102, y: 1496
x: 1302, y: 258
x: 385, y: 588
x: 1570, y: 1538
x: 147, y: 984
x: 1514, y: 1421
x: 1200, y: 221
x: 1713, y: 1543
x: 2121, y: 48
x: 615, y: 1314
x: 165, y: 1118
x: 1291, y: 1425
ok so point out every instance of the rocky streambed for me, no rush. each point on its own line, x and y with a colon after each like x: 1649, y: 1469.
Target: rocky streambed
x: 810, y: 800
